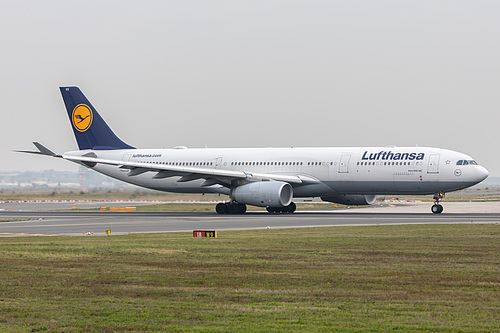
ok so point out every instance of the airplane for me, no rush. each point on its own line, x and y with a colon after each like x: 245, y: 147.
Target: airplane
x: 267, y: 177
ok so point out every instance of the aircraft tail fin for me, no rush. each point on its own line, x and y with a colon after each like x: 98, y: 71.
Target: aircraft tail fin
x: 91, y: 131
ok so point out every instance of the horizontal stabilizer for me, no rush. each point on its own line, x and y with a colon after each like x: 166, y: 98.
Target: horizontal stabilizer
x: 42, y: 150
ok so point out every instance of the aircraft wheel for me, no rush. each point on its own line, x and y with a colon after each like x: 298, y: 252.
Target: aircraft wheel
x: 272, y: 210
x: 291, y: 207
x: 437, y: 209
x: 221, y: 208
x: 236, y: 208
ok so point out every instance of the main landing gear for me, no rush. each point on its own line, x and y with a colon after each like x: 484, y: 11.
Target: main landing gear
x: 437, y: 208
x: 287, y: 209
x: 230, y: 208
x: 237, y: 208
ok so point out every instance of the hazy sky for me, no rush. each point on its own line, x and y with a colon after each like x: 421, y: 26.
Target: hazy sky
x: 253, y: 74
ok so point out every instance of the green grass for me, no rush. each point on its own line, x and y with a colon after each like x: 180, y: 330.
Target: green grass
x: 210, y: 207
x: 436, y: 278
x: 7, y: 195
x: 203, y: 207
x: 471, y: 194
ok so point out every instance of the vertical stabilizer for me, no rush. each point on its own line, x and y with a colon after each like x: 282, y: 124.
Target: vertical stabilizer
x: 91, y: 131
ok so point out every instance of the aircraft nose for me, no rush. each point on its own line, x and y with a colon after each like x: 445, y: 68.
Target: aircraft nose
x: 481, y: 173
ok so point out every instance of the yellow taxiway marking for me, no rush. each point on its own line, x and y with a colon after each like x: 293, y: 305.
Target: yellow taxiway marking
x: 40, y: 224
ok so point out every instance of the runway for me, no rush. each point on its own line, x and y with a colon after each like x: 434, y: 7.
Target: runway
x: 75, y: 223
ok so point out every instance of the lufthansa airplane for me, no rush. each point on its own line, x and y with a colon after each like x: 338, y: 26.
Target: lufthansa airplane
x: 267, y: 177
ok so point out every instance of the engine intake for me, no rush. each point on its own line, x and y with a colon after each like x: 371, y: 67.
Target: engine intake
x: 353, y: 199
x: 264, y: 194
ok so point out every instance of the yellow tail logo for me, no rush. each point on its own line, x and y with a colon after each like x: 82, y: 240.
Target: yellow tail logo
x: 82, y: 117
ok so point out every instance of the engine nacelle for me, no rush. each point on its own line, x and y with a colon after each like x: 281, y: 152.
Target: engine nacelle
x: 264, y: 194
x: 351, y: 200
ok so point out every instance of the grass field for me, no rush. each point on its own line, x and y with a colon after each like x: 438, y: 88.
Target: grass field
x: 437, y: 278
x: 210, y: 207
x: 471, y: 194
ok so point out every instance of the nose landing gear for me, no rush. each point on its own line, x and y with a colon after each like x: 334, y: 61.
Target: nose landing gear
x: 437, y: 208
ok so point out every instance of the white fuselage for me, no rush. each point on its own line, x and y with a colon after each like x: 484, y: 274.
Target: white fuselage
x: 365, y: 171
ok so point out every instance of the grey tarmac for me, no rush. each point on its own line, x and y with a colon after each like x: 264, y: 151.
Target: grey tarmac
x: 78, y: 223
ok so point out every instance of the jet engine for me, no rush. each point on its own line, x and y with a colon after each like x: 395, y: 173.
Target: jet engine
x: 264, y: 194
x: 353, y: 199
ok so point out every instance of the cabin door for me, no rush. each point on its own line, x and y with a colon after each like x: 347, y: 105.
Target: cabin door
x: 433, y: 166
x: 218, y: 162
x: 344, y: 163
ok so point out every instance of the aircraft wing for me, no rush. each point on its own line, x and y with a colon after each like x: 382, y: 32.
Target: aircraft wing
x: 212, y: 176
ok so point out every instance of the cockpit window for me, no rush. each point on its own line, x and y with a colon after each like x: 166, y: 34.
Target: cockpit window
x: 466, y: 162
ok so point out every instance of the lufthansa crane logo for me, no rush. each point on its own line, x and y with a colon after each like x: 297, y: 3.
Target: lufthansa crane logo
x: 82, y: 117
